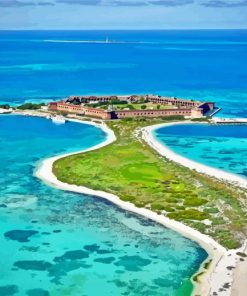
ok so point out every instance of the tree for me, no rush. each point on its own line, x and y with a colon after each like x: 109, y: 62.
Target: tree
x: 158, y: 107
x: 30, y: 106
x: 143, y: 107
x: 4, y: 106
x: 142, y: 100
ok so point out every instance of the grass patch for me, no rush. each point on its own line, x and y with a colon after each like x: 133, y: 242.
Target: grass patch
x: 189, y: 214
x: 136, y: 173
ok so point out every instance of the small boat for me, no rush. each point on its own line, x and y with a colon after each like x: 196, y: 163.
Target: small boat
x: 58, y: 119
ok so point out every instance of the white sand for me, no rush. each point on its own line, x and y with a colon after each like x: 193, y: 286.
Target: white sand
x: 212, y: 279
x: 220, y: 274
x: 163, y: 150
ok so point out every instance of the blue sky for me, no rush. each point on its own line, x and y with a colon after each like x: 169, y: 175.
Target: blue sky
x: 123, y: 14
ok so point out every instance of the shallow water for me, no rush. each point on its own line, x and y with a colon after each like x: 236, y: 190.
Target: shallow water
x: 60, y: 243
x: 222, y: 147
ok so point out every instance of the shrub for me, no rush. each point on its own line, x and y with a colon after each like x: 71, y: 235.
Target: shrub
x: 117, y: 102
x: 200, y: 226
x: 127, y: 119
x: 202, y: 119
x: 194, y: 202
x: 241, y: 254
x: 4, y: 106
x: 155, y: 206
x: 168, y: 209
x: 30, y: 106
x: 127, y: 198
x: 143, y: 107
x: 211, y: 210
x: 230, y: 244
x: 173, y: 117
x: 190, y: 214
x: 142, y: 119
x: 139, y: 204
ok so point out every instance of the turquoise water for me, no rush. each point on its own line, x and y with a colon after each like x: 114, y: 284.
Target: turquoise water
x: 60, y: 243
x: 203, y: 64
x: 222, y: 147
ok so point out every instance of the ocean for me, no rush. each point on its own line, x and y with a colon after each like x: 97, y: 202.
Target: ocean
x: 63, y: 243
x: 222, y: 147
x: 49, y: 65
x: 60, y: 243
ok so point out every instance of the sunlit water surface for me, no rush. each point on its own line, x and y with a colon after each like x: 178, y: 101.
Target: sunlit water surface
x: 60, y: 243
x: 222, y: 147
x: 200, y: 64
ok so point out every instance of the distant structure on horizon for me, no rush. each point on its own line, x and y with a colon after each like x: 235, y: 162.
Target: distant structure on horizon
x: 85, y: 105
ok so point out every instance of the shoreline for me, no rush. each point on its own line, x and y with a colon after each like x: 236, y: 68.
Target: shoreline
x: 226, y: 270
x: 215, y: 251
x: 163, y: 150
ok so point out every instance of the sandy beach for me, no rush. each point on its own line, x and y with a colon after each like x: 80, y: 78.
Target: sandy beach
x: 228, y: 277
x: 148, y: 136
x: 212, y: 279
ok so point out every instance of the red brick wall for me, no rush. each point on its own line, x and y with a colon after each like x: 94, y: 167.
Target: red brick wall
x: 52, y: 106
x: 87, y: 111
x: 176, y: 102
x: 153, y: 113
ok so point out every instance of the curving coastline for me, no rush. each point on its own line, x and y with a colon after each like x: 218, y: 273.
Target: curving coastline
x: 218, y: 255
x: 148, y: 136
x: 220, y: 273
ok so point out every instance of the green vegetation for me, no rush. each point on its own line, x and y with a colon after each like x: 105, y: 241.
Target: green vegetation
x: 202, y: 119
x: 197, y: 276
x: 173, y: 117
x: 4, y: 106
x: 30, y: 106
x: 241, y: 254
x: 120, y: 105
x: 132, y: 170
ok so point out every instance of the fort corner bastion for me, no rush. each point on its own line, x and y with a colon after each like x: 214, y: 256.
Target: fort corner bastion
x: 118, y: 107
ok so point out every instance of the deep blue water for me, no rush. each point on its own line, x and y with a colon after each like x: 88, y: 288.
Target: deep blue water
x: 204, y: 65
x: 222, y: 147
x: 59, y: 243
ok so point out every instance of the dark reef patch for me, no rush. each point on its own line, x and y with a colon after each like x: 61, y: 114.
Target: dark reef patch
x: 107, y: 260
x: 8, y: 290
x: 103, y: 252
x: 92, y: 248
x: 162, y: 282
x: 119, y: 283
x: 21, y: 236
x: 132, y: 263
x: 72, y: 255
x: 29, y: 249
x: 33, y: 265
x: 61, y: 269
x: 45, y: 233
x: 37, y: 292
x: 57, y: 231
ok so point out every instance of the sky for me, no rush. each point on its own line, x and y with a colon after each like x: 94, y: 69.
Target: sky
x: 122, y: 14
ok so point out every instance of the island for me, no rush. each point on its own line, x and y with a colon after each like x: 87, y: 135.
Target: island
x: 131, y: 173
x: 133, y: 106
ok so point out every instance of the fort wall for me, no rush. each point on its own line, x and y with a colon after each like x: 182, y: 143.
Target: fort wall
x: 152, y: 113
x: 76, y: 105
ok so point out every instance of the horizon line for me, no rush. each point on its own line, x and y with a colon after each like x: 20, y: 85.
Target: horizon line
x: 132, y: 29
